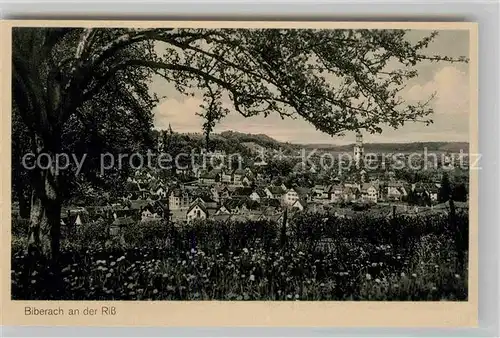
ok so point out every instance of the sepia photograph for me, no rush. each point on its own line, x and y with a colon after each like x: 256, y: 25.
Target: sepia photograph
x: 240, y: 164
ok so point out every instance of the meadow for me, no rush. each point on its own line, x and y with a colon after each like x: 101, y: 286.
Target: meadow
x: 313, y: 257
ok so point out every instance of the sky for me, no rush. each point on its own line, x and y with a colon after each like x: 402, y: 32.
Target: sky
x: 450, y: 82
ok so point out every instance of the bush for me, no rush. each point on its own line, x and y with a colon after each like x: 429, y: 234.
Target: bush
x: 323, y: 258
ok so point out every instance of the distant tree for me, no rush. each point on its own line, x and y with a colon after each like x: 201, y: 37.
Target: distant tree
x: 98, y: 79
x: 459, y: 193
x: 444, y: 193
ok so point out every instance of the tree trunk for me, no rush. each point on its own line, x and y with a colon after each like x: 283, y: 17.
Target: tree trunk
x: 45, y: 227
x: 45, y: 215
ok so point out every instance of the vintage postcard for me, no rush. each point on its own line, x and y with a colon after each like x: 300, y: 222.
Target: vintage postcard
x: 239, y: 173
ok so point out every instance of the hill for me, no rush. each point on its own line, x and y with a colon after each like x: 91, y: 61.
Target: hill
x: 233, y: 141
x: 453, y: 147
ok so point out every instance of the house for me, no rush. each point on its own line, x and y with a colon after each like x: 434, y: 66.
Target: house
x: 144, y: 190
x: 290, y: 197
x: 247, y: 180
x: 319, y: 191
x: 226, y: 177
x: 271, y: 203
x: 238, y: 175
x: 299, y: 204
x: 77, y: 219
x: 369, y: 192
x: 149, y: 212
x: 304, y: 193
x: 224, y: 194
x: 275, y: 192
x: 209, y: 203
x: 350, y: 194
x: 257, y: 195
x: 223, y: 210
x: 432, y: 190
x: 394, y: 193
x: 197, y: 211
x: 335, y: 192
x: 178, y: 199
x: 160, y: 191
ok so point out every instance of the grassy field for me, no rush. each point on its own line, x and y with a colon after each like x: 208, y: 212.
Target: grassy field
x: 314, y: 258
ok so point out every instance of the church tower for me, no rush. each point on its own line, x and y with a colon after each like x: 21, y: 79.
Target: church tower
x: 358, y: 149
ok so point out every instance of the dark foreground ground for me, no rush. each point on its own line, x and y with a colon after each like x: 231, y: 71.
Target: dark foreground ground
x: 312, y: 259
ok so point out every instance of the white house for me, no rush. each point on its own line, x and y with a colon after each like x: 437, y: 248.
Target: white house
x: 223, y: 210
x: 394, y: 193
x: 290, y: 197
x: 196, y: 211
x: 298, y: 205
x: 148, y: 214
x: 226, y: 177
x: 369, y: 192
x: 178, y: 199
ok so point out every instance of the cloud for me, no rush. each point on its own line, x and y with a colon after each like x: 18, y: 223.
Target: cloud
x: 451, y: 119
x: 452, y: 91
x: 180, y: 113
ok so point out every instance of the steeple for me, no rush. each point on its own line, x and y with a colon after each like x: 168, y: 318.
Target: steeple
x: 170, y: 129
x: 358, y: 149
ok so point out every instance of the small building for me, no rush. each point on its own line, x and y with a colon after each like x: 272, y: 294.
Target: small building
x: 197, y: 211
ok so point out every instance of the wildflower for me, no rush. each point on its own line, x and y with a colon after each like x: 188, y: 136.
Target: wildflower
x: 289, y: 296
x: 377, y: 280
x: 396, y: 286
x: 414, y: 275
x: 252, y: 278
x: 33, y: 281
x: 245, y: 250
x: 402, y: 274
x: 433, y: 288
x: 120, y: 259
x: 155, y: 291
x: 34, y: 273
x: 130, y: 286
x: 297, y: 296
x: 368, y: 276
x: 108, y: 275
x: 243, y: 276
x: 457, y: 276
x: 374, y: 264
x: 113, y: 263
x: 193, y: 250
x: 436, y: 266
